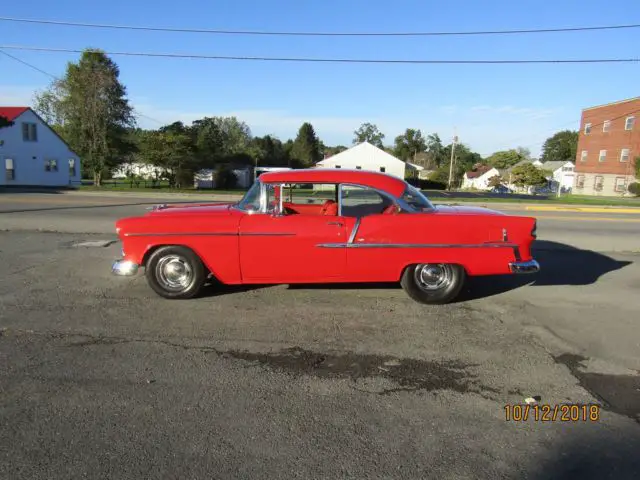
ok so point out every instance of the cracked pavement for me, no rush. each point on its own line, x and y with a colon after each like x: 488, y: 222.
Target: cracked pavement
x: 101, y: 378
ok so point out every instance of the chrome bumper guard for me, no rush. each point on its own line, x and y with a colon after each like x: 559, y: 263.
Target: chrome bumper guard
x: 124, y: 268
x: 524, y: 267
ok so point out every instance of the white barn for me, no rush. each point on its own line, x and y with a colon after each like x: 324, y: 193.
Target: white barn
x: 365, y: 156
x: 33, y: 154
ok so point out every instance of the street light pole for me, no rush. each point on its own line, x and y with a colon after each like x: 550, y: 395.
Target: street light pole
x: 453, y: 150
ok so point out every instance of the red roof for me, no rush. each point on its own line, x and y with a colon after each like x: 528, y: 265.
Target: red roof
x: 11, y: 113
x: 381, y: 181
x: 478, y: 172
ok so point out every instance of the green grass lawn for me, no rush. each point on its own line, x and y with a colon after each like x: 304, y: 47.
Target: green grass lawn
x: 564, y: 200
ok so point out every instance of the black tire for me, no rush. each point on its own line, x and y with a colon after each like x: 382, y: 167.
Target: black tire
x: 433, y: 283
x: 175, y: 272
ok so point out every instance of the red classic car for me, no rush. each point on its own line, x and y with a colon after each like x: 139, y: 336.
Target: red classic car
x: 325, y: 226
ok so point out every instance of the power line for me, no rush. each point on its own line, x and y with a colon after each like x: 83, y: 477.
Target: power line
x: 317, y: 34
x: 138, y: 114
x: 327, y: 60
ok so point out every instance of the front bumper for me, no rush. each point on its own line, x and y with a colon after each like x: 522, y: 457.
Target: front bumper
x: 524, y: 267
x: 124, y: 268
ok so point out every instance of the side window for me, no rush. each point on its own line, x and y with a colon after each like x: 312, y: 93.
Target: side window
x: 362, y: 201
x: 310, y: 199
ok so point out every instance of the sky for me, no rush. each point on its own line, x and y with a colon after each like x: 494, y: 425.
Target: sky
x: 489, y: 107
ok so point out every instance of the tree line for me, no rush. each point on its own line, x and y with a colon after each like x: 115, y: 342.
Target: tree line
x: 89, y: 108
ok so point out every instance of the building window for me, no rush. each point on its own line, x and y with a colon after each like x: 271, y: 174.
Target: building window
x: 598, y: 182
x: 50, y: 165
x: 338, y: 166
x: 358, y: 167
x: 628, y: 124
x: 10, y: 173
x: 624, y: 155
x: 587, y: 128
x: 606, y: 125
x: 383, y: 169
x: 72, y: 167
x: 583, y: 156
x: 29, y: 132
x: 580, y: 181
x: 567, y: 169
x: 603, y: 156
x: 621, y: 184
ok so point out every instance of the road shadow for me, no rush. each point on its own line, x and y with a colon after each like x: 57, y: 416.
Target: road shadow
x: 560, y: 264
x: 589, y: 454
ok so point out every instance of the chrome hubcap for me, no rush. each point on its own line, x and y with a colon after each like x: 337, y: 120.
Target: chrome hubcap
x: 433, y: 276
x: 174, y: 272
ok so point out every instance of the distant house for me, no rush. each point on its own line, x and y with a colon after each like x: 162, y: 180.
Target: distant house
x: 142, y: 170
x: 562, y: 175
x: 205, y: 178
x: 479, y: 177
x: 366, y: 156
x: 33, y: 154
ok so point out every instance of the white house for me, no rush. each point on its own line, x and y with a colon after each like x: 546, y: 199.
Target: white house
x: 365, y: 156
x: 143, y: 170
x: 479, y: 178
x: 33, y: 154
x: 562, y: 174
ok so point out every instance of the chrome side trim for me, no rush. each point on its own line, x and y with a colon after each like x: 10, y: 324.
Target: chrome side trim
x: 124, y: 268
x: 217, y: 234
x: 524, y: 267
x: 352, y: 237
x: 414, y: 245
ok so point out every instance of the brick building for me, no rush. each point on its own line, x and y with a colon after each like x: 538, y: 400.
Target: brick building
x: 608, y: 143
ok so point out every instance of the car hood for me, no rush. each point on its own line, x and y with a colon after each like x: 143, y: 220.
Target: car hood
x: 464, y: 210
x: 192, y: 209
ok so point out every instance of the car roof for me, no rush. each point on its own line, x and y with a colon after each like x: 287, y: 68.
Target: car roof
x: 380, y: 181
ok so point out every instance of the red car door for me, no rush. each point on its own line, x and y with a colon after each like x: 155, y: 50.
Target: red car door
x: 292, y: 248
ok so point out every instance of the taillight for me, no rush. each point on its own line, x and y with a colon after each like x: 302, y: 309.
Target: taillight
x: 534, y: 232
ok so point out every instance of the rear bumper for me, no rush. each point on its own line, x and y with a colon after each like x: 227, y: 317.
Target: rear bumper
x: 524, y: 267
x: 124, y: 268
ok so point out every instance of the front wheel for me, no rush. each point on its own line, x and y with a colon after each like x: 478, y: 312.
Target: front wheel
x: 175, y: 272
x: 433, y: 283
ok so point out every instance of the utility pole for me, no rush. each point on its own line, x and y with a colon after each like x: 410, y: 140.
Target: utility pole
x: 453, y: 150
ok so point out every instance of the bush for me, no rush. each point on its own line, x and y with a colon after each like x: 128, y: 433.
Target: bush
x: 634, y: 188
x: 225, y: 179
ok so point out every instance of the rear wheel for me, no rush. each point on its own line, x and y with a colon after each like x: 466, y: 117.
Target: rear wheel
x: 433, y: 283
x: 175, y: 272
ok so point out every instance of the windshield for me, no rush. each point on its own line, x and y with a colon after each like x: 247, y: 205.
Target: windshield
x: 251, y: 199
x: 416, y: 199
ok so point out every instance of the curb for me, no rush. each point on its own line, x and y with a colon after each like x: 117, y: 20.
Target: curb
x: 566, y: 208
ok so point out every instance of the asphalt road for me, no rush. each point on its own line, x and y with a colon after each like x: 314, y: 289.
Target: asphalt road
x: 99, y: 378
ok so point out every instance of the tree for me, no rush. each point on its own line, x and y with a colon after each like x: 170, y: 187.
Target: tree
x: 268, y: 150
x: 524, y: 152
x: 330, y: 151
x: 306, y: 147
x: 89, y: 104
x: 5, y: 122
x: 505, y: 159
x: 217, y: 139
x: 409, y: 144
x: 435, y: 151
x: 369, y: 133
x: 561, y: 146
x: 637, y: 165
x: 225, y: 179
x: 170, y: 151
x: 528, y: 175
x: 495, y: 181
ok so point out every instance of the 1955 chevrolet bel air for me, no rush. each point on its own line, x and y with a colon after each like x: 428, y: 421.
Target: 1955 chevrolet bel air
x: 325, y: 226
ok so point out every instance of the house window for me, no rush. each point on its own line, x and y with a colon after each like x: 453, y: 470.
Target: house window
x: 583, y: 156
x: 383, y: 169
x: 624, y: 155
x: 587, y: 128
x: 603, y: 156
x: 606, y: 125
x: 358, y: 167
x: 338, y: 166
x: 10, y: 173
x: 72, y: 167
x: 598, y: 182
x: 567, y: 169
x: 628, y: 124
x: 29, y: 132
x: 580, y: 181
x: 621, y: 184
x: 51, y: 166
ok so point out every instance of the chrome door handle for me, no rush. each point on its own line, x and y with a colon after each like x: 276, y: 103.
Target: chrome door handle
x: 339, y: 224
